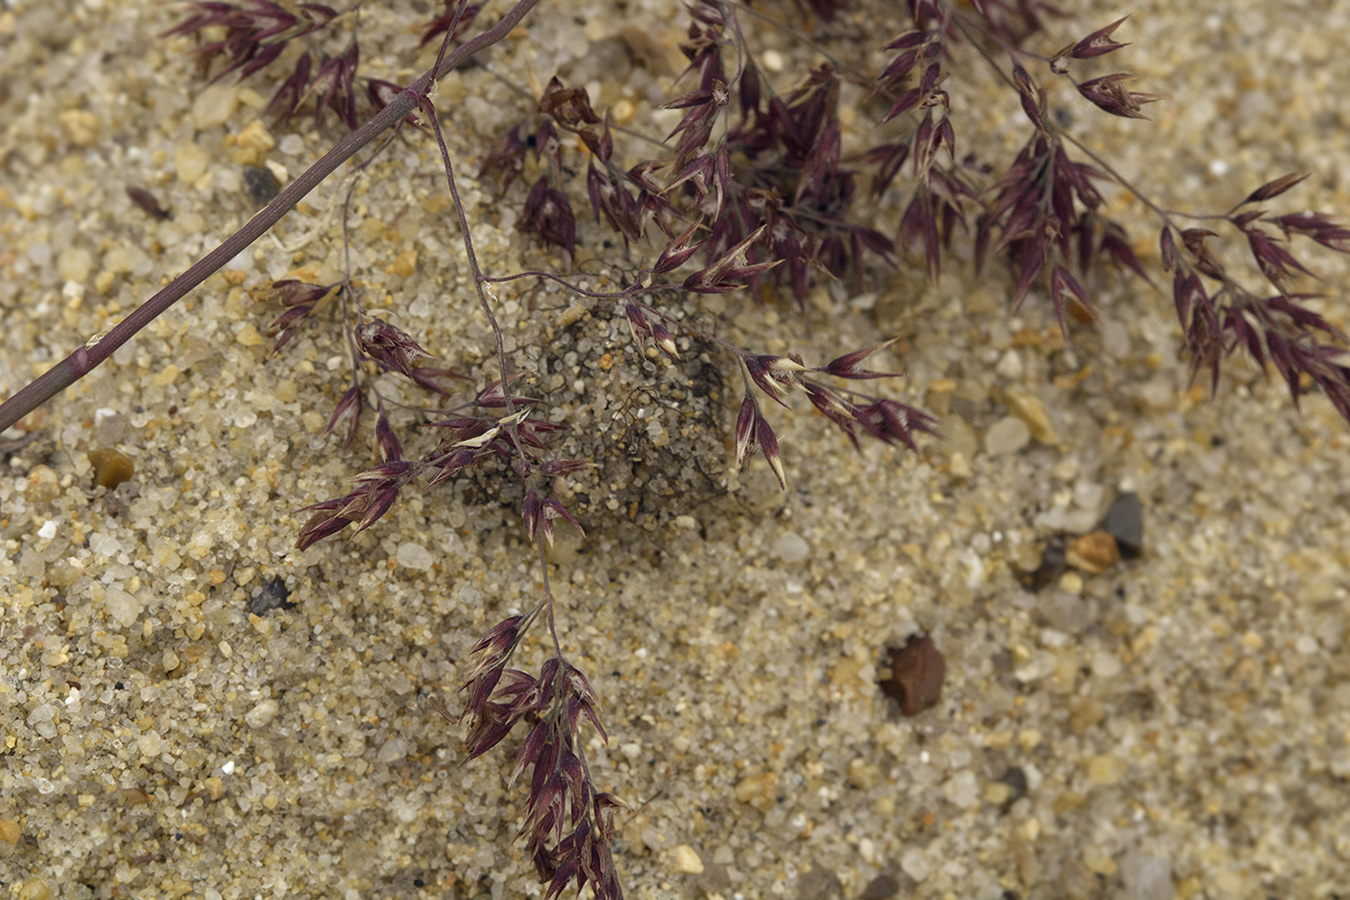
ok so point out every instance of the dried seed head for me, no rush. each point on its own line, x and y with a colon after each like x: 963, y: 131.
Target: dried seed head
x: 391, y: 346
x: 1109, y: 94
x: 661, y: 335
x: 638, y: 324
x: 768, y: 445
x: 745, y: 430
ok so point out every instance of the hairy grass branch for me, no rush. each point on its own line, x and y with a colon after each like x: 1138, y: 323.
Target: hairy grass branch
x: 97, y: 349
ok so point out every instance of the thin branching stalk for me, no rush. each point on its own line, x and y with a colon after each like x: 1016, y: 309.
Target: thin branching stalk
x: 97, y: 349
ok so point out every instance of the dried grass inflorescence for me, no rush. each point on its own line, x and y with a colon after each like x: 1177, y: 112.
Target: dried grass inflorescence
x: 569, y: 825
x: 750, y: 191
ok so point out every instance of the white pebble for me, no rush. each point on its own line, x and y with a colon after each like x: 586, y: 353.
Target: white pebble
x: 214, y: 105
x: 190, y: 162
x: 150, y: 743
x: 122, y: 606
x: 962, y: 790
x: 1009, y: 367
x: 40, y: 714
x: 791, y: 547
x: 413, y: 556
x: 1146, y: 877
x: 261, y: 714
x: 393, y: 750
x: 1006, y: 436
x: 915, y: 864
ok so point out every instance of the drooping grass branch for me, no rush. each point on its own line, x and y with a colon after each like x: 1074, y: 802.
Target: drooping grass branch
x: 98, y: 348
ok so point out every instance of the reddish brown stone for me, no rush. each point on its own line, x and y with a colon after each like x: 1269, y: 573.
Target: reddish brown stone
x: 912, y: 674
x: 1094, y: 553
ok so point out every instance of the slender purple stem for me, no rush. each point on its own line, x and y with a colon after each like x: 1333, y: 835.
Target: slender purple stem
x: 95, y: 351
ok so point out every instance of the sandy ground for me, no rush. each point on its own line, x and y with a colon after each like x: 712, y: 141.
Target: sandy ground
x: 1174, y: 727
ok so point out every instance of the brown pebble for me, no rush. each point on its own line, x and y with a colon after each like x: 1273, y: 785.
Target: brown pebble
x: 9, y: 831
x: 913, y: 674
x: 1094, y: 553
x: 111, y: 467
x: 136, y: 797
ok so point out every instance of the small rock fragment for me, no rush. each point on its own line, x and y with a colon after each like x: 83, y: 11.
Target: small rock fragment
x: 404, y: 265
x: 81, y: 126
x: 912, y: 674
x: 1106, y: 768
x: 791, y: 547
x: 111, y: 467
x: 1006, y: 436
x: 1016, y: 780
x: 214, y: 105
x: 392, y: 751
x: 35, y: 888
x: 1125, y: 522
x: 916, y: 864
x: 122, y: 606
x: 190, y: 162
x: 136, y: 797
x: 255, y: 140
x: 1146, y: 877
x: 74, y: 263
x: 757, y: 790
x: 958, y: 438
x: 262, y: 714
x: 150, y: 743
x: 260, y: 185
x: 1009, y: 366
x: 1094, y: 553
x: 1065, y: 611
x: 1047, y: 573
x: 248, y: 335
x: 271, y: 595
x: 962, y: 790
x: 412, y: 555
x: 684, y: 859
x: 9, y: 831
x: 1071, y: 583
x: 1027, y: 407
x: 43, y: 485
